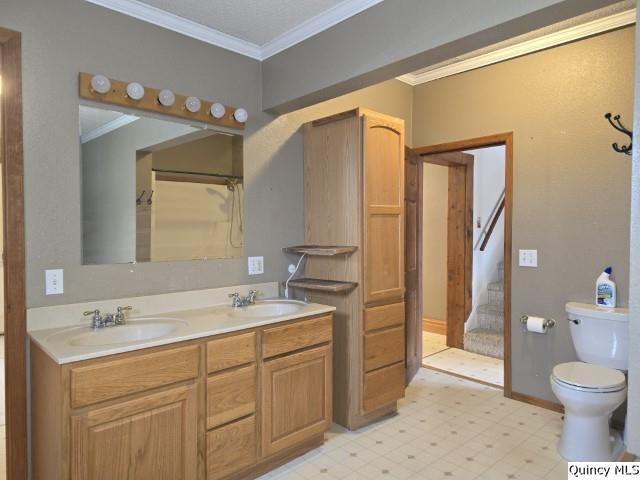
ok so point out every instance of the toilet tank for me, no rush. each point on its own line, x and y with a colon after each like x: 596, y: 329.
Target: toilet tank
x: 600, y: 335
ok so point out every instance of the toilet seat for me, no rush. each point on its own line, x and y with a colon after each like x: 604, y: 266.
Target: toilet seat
x: 588, y: 378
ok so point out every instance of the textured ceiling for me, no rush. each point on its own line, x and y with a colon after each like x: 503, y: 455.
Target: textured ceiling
x: 256, y: 21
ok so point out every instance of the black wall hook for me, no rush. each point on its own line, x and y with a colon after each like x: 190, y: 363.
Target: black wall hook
x: 615, y: 123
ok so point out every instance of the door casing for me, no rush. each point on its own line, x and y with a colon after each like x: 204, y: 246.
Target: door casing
x: 14, y: 255
x: 505, y: 139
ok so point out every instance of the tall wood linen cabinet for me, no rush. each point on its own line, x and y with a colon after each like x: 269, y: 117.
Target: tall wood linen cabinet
x: 354, y: 196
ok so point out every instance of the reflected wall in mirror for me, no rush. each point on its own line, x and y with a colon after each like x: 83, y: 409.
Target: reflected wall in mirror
x: 158, y: 190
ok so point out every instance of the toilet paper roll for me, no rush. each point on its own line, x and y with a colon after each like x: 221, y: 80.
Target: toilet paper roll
x: 536, y: 325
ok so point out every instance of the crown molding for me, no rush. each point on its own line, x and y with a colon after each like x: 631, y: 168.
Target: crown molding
x: 299, y: 33
x: 119, y: 122
x: 315, y: 25
x: 571, y: 34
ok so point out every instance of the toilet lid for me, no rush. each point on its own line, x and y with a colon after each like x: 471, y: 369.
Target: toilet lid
x: 588, y: 376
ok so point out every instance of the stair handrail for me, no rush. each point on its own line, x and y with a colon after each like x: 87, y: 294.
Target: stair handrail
x: 490, y: 224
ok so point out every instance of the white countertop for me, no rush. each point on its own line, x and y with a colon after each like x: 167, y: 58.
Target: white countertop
x: 195, y: 323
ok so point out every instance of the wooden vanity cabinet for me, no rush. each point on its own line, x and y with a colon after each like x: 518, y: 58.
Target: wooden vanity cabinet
x: 354, y: 195
x: 296, y: 397
x: 153, y: 436
x: 218, y: 408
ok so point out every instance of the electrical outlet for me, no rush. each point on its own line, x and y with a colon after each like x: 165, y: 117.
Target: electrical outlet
x: 256, y: 265
x: 54, y: 281
x: 528, y: 258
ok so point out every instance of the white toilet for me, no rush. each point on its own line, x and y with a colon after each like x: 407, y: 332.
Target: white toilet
x: 593, y: 388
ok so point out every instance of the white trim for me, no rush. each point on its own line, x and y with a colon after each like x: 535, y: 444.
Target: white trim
x: 297, y: 34
x: 315, y: 25
x: 121, y: 121
x: 571, y: 34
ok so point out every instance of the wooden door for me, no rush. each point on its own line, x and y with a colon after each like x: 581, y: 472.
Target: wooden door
x: 413, y: 261
x: 154, y: 436
x: 383, y: 245
x: 296, y: 398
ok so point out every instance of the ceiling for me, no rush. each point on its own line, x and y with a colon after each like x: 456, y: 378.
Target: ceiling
x: 255, y: 28
x: 256, y: 21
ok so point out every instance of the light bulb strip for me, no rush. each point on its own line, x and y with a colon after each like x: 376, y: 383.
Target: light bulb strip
x: 117, y: 95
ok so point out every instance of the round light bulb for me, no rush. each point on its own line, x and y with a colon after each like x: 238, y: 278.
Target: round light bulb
x: 100, y: 84
x: 240, y: 115
x: 193, y: 104
x: 166, y: 98
x: 218, y: 110
x: 135, y: 91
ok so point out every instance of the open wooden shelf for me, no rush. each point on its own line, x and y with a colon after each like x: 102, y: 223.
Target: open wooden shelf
x: 332, y: 286
x: 321, y: 250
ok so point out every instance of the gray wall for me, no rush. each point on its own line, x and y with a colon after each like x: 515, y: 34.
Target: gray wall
x: 74, y: 36
x: 400, y: 36
x: 571, y: 190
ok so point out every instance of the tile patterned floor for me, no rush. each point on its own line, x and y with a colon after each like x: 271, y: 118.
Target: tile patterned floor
x: 467, y: 364
x: 446, y: 428
x: 433, y: 343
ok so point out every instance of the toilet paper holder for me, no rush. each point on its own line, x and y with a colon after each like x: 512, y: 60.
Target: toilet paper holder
x: 548, y: 322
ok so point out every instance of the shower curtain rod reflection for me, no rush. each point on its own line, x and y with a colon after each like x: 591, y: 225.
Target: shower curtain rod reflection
x: 215, y: 175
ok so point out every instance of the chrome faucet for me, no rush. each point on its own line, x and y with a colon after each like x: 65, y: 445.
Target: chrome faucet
x: 108, y: 319
x: 239, y: 301
x: 120, y: 317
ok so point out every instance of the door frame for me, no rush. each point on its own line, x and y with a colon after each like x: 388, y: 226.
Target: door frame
x: 14, y: 256
x: 459, y: 240
x: 505, y: 139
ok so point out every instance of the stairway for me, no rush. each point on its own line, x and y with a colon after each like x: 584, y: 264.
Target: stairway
x: 487, y: 338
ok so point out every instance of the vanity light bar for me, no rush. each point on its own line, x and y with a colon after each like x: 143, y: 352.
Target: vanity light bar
x: 134, y: 95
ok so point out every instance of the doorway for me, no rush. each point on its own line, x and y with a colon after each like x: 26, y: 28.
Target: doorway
x: 13, y: 242
x: 465, y: 230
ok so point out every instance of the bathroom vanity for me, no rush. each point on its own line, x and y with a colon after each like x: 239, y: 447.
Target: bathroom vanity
x: 230, y: 393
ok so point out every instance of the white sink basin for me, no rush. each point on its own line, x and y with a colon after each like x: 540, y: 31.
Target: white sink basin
x: 269, y: 308
x: 133, y: 331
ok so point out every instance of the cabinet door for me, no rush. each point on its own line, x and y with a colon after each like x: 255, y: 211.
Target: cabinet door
x: 383, y: 245
x: 296, y: 398
x: 154, y: 436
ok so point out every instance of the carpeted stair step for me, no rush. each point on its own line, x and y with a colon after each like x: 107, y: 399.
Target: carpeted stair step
x: 496, y: 293
x: 491, y: 317
x: 484, y: 342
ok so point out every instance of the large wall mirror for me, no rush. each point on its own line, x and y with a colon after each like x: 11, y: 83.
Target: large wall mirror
x: 158, y: 190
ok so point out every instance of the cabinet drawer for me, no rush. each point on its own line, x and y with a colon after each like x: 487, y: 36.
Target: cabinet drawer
x: 305, y: 333
x: 231, y: 448
x: 384, y: 316
x: 117, y: 378
x: 383, y: 348
x: 231, y: 395
x: 383, y: 386
x: 231, y: 351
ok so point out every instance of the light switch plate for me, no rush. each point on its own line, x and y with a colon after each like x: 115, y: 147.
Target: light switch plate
x: 529, y: 258
x: 54, y: 281
x: 256, y: 265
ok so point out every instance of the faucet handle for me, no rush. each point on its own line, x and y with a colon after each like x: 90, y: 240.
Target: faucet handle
x: 234, y: 295
x: 119, y: 316
x: 96, y: 320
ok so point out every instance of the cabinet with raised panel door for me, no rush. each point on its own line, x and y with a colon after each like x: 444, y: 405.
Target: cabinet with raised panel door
x: 354, y: 195
x: 219, y: 408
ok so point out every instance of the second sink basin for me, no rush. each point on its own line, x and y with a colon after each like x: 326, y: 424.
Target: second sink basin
x: 134, y: 331
x: 269, y: 308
